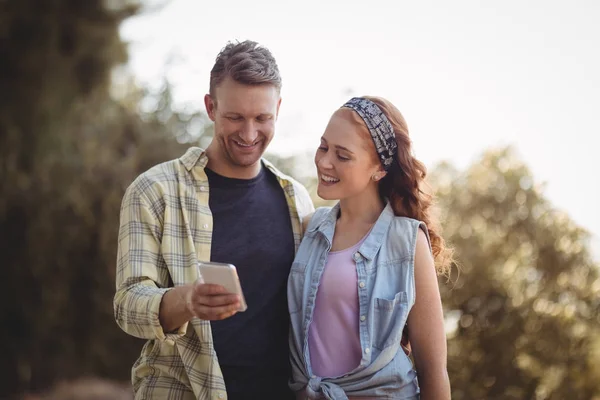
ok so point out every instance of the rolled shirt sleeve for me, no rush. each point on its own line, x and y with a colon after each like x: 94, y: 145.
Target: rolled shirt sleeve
x: 142, y: 276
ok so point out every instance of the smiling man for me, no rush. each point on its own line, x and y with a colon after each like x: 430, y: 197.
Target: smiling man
x: 225, y: 204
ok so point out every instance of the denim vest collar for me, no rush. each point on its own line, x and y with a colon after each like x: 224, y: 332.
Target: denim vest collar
x: 373, y: 242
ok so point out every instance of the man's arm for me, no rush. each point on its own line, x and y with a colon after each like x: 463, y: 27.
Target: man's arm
x: 144, y: 305
x: 142, y: 277
x: 303, y: 201
x: 306, y: 221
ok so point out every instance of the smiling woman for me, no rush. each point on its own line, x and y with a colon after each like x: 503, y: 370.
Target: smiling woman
x: 364, y: 278
x: 345, y: 162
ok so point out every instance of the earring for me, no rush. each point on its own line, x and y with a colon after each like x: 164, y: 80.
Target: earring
x: 375, y: 177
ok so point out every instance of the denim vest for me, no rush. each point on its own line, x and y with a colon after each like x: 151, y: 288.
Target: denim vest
x: 386, y: 293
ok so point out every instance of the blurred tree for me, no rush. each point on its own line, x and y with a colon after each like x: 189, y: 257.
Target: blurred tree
x: 67, y: 152
x: 53, y: 57
x: 527, y: 300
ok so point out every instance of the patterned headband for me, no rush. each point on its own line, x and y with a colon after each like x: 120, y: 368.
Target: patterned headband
x: 379, y: 126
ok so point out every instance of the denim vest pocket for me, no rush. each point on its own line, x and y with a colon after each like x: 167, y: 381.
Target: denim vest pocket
x: 390, y: 318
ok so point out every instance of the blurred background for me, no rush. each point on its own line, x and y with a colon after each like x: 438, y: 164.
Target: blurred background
x: 502, y: 102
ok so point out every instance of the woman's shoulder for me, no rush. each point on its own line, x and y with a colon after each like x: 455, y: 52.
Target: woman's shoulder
x: 406, y: 224
x: 403, y: 235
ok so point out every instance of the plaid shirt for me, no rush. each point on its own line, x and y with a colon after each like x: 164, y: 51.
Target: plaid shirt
x: 165, y: 228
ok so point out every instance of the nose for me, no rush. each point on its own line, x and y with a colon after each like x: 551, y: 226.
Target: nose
x: 323, y: 160
x: 249, y: 132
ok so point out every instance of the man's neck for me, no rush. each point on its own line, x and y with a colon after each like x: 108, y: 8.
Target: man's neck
x: 223, y: 167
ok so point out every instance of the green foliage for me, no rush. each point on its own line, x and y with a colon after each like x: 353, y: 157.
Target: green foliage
x: 60, y: 247
x: 527, y: 300
x: 67, y: 153
x: 52, y: 55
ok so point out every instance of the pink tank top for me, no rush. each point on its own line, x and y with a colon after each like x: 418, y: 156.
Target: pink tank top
x: 333, y: 335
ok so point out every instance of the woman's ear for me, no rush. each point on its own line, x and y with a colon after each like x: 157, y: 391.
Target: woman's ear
x: 379, y: 175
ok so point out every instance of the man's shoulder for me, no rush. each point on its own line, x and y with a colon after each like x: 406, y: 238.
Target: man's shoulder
x: 301, y: 194
x: 283, y: 176
x: 157, y: 179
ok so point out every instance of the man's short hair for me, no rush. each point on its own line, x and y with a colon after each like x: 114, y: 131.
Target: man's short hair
x: 247, y: 63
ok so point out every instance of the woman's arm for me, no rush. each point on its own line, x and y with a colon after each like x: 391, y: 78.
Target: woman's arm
x: 426, y: 327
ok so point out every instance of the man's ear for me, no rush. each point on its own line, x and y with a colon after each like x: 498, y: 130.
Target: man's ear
x: 211, y: 106
x: 278, y: 105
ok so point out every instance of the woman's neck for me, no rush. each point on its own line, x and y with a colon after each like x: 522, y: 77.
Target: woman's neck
x: 362, y: 209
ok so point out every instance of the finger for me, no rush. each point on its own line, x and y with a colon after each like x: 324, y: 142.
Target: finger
x: 227, y: 315
x: 216, y: 300
x: 214, y: 313
x: 208, y: 289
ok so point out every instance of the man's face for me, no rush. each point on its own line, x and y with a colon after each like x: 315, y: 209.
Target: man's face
x: 244, y: 117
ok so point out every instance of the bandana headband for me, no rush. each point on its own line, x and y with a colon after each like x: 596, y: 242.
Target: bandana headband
x: 379, y: 126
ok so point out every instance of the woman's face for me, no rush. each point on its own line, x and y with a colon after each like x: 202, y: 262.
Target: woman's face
x: 346, y: 162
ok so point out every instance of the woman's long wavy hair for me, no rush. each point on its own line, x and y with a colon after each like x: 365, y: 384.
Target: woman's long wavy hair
x: 404, y: 183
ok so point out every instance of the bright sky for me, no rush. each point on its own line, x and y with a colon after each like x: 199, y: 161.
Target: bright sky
x: 466, y: 74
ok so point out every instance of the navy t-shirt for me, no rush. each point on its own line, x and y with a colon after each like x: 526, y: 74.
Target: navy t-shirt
x: 252, y: 230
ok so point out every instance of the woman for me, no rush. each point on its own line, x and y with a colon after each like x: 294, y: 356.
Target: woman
x: 366, y: 269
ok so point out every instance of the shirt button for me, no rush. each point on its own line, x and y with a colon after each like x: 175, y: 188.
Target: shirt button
x: 362, y: 318
x: 361, y: 284
x: 205, y: 226
x: 203, y: 188
x: 314, y: 377
x: 221, y: 395
x: 367, y: 350
x: 356, y: 256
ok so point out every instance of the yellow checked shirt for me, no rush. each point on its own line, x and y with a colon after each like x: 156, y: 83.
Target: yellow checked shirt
x: 165, y: 228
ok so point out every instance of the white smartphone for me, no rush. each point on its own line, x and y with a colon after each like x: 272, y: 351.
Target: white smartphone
x: 224, y: 275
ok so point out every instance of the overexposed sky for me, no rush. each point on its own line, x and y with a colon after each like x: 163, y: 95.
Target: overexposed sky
x: 467, y: 75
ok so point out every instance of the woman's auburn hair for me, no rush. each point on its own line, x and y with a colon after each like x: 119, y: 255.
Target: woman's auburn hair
x: 405, y: 180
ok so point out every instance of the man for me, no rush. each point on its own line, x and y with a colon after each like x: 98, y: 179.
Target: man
x: 225, y: 204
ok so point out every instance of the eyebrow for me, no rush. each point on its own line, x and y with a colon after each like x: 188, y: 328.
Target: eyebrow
x: 337, y: 146
x: 236, y: 114
x: 343, y: 148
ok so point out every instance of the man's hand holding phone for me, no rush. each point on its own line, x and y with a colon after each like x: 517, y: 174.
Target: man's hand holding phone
x: 217, y: 294
x: 211, y: 302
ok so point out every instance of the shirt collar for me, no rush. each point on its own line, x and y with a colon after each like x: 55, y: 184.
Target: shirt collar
x: 372, y: 243
x: 195, y: 156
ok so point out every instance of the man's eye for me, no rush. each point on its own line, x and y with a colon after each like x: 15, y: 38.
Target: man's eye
x: 234, y: 118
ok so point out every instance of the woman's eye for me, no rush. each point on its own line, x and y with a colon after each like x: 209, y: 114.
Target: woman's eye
x: 342, y: 158
x: 322, y: 148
